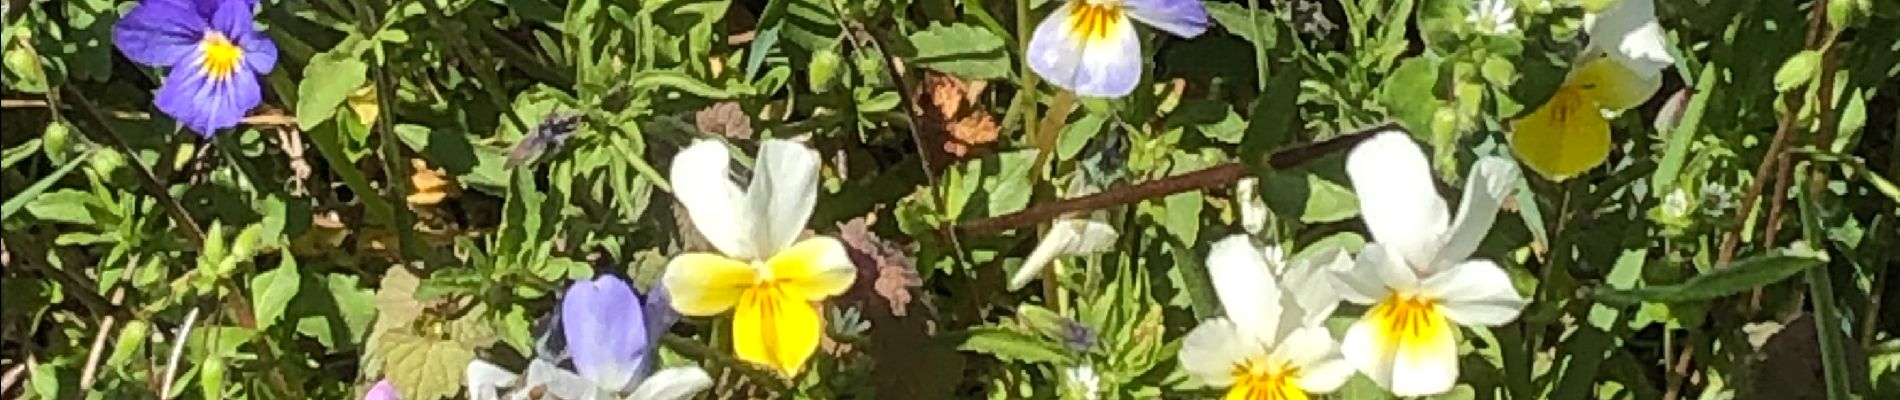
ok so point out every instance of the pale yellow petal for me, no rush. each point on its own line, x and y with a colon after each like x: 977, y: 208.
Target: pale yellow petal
x: 775, y: 329
x: 1614, y: 86
x: 1564, y: 137
x: 814, y: 269
x: 1406, y: 345
x: 703, y: 284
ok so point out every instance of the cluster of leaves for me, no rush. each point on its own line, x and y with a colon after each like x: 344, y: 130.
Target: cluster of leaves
x: 425, y: 175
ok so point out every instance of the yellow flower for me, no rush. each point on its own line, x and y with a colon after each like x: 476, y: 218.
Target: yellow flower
x: 1621, y: 69
x: 770, y: 279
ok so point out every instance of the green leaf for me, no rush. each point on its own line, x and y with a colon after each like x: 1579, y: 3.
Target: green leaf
x: 327, y: 81
x: 1407, y: 94
x: 1678, y: 138
x: 424, y: 368
x: 68, y: 206
x: 1735, y: 278
x: 1009, y: 345
x: 1797, y: 71
x: 963, y: 50
x: 1254, y: 27
x: 272, y: 290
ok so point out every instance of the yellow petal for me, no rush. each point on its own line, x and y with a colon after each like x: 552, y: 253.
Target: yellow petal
x: 814, y: 269
x: 1406, y: 345
x: 1612, y: 85
x: 773, y: 328
x: 1564, y: 137
x: 703, y: 284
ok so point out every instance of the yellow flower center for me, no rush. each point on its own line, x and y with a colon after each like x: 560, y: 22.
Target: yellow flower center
x: 1094, y: 20
x: 220, y: 56
x: 1260, y: 380
x: 1409, y: 318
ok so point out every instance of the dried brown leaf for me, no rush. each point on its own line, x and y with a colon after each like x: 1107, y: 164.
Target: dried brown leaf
x: 725, y: 119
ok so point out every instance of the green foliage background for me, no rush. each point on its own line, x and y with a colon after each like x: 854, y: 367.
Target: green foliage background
x: 295, y: 251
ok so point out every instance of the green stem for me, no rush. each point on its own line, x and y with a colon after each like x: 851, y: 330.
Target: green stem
x: 1821, y: 292
x: 1259, y: 47
x: 1025, y: 77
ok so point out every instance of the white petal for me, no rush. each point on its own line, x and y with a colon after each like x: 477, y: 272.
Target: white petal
x: 1628, y: 32
x: 784, y: 190
x: 1326, y: 375
x: 1312, y: 349
x: 1405, y: 367
x: 1396, y: 197
x: 673, y: 384
x: 484, y: 379
x: 1106, y: 63
x: 1489, y: 183
x: 561, y: 383
x: 714, y: 204
x: 1376, y: 274
x: 1253, y: 210
x: 1309, y: 280
x: 1306, y: 346
x: 1211, y: 351
x: 1248, y: 291
x: 1476, y: 293
x: 1067, y: 237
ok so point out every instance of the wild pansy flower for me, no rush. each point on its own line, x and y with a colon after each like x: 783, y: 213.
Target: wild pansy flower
x: 1415, y: 274
x: 771, y: 280
x: 1620, y: 69
x: 382, y: 391
x: 1269, y: 345
x: 214, y: 54
x: 1090, y: 47
x: 610, y: 337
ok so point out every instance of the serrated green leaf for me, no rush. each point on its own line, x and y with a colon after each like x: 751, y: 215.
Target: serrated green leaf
x: 1010, y: 345
x: 963, y: 50
x: 423, y: 368
x: 1735, y: 278
x: 327, y: 81
x: 272, y: 290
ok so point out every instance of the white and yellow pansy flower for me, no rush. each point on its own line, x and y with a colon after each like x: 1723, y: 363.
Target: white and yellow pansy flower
x: 1415, y: 274
x: 763, y: 272
x: 1269, y: 345
x: 1621, y: 68
x: 1090, y: 47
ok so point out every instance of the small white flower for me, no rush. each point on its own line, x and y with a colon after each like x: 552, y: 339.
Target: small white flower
x: 1269, y: 344
x: 1496, y: 17
x: 1416, y: 274
x: 1083, y: 382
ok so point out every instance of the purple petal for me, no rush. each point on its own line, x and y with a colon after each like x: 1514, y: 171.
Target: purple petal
x: 159, y: 32
x: 233, y: 18
x: 382, y: 391
x: 260, y: 53
x: 1184, y: 18
x: 203, y: 104
x: 209, y: 8
x: 606, y: 331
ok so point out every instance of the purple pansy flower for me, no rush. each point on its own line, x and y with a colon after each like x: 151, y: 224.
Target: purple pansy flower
x: 606, y: 331
x: 214, y: 53
x: 610, y: 335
